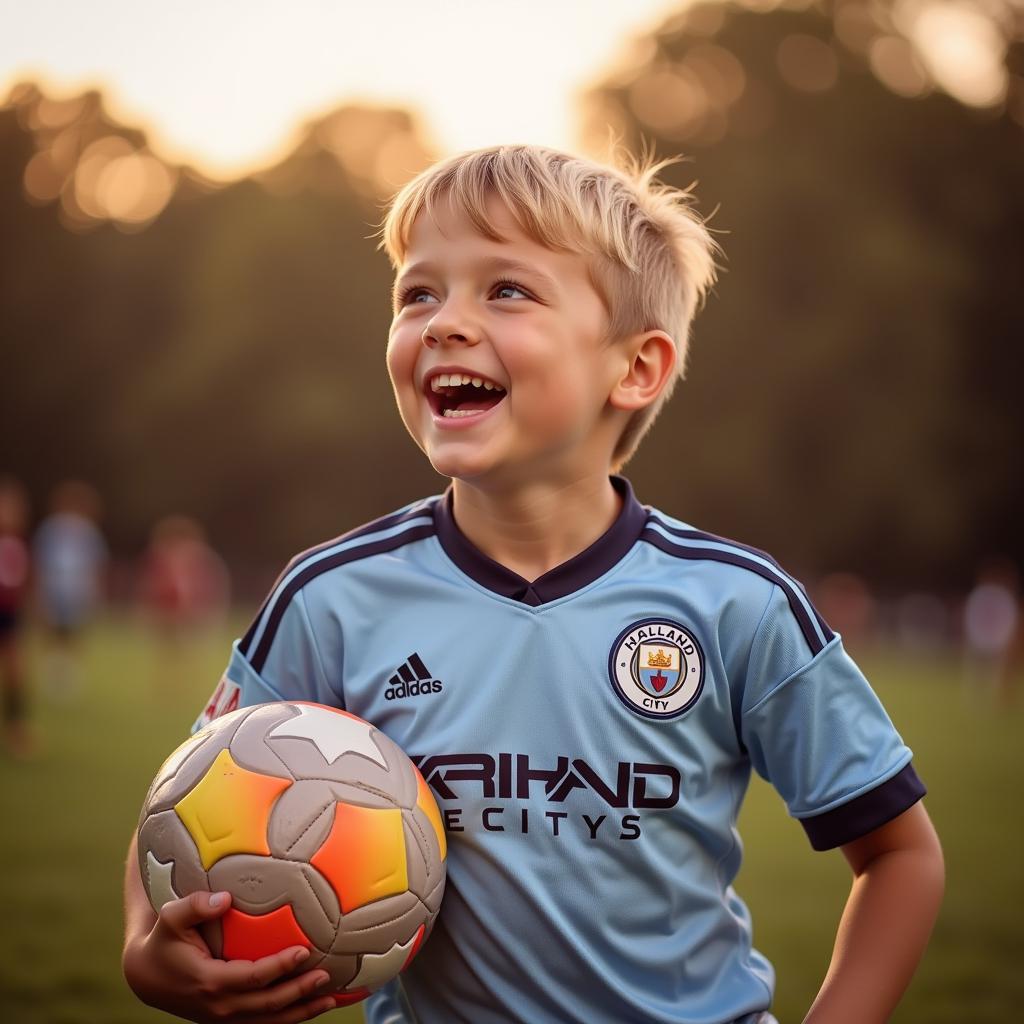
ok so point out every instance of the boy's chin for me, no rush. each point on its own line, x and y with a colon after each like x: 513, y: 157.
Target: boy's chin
x: 458, y: 468
x: 463, y: 462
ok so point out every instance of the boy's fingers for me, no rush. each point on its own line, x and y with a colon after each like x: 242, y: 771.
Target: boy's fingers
x: 247, y: 975
x: 293, y: 998
x: 194, y: 909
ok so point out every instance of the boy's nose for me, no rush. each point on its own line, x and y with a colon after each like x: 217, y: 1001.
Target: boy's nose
x: 444, y: 328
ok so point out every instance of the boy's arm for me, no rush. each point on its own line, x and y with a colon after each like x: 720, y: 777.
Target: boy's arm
x: 897, y: 888
x: 168, y: 965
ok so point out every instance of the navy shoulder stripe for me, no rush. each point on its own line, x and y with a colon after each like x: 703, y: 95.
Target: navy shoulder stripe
x: 375, y: 526
x: 688, y: 533
x: 695, y: 545
x: 417, y: 511
x: 691, y: 534
x: 411, y: 525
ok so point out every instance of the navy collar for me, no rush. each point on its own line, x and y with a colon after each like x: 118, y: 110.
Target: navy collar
x: 590, y: 564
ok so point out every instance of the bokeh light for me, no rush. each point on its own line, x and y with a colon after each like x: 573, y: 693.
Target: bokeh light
x: 963, y: 50
x: 895, y: 64
x: 98, y: 171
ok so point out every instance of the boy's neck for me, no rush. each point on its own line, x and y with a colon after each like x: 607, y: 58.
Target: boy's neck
x: 533, y: 528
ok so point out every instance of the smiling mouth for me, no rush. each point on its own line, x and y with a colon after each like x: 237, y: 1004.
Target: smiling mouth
x: 454, y: 395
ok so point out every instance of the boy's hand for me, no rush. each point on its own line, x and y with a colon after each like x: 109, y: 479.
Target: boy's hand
x: 172, y: 968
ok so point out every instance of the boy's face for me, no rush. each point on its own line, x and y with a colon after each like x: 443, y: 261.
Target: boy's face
x: 525, y: 328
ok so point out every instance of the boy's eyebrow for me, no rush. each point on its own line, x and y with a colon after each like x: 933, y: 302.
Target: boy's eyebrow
x: 494, y: 264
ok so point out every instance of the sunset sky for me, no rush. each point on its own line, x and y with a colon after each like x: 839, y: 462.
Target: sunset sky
x: 224, y: 84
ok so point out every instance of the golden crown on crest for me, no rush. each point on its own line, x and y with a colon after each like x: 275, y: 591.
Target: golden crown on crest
x: 659, y: 660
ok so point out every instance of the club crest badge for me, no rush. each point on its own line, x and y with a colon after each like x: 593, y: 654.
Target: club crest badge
x: 657, y: 668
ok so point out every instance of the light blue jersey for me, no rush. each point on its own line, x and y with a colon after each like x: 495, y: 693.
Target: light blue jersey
x: 589, y: 737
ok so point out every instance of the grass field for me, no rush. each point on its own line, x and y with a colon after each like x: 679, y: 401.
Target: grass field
x: 66, y: 817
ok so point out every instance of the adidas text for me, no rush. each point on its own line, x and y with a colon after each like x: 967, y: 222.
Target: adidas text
x: 417, y: 688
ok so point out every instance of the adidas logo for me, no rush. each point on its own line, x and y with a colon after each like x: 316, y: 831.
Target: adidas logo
x: 412, y: 680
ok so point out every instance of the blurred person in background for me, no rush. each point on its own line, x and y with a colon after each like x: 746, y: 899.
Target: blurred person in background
x: 924, y: 624
x: 14, y: 576
x: 183, y: 586
x: 71, y: 558
x: 991, y: 624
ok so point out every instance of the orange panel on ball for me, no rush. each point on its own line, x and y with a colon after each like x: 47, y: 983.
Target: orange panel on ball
x: 363, y: 857
x: 249, y: 936
x: 227, y: 810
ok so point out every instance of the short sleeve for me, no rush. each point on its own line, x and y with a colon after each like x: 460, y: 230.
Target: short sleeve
x: 291, y: 668
x: 817, y: 732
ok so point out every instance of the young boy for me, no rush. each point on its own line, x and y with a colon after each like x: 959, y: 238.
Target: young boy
x: 602, y: 677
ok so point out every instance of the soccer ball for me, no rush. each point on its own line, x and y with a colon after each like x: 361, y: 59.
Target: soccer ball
x: 319, y: 826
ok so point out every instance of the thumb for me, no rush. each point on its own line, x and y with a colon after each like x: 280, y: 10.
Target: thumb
x: 194, y: 909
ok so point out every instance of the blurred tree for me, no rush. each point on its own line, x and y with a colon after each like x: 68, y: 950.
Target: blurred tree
x: 227, y: 361
x: 217, y: 351
x: 851, y: 398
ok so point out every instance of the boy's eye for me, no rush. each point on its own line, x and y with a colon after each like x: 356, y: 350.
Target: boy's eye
x: 502, y: 288
x: 412, y: 295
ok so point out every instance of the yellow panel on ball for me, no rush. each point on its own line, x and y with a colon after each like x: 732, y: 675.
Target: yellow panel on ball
x: 363, y: 857
x: 227, y: 810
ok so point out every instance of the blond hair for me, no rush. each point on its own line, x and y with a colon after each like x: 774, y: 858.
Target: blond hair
x: 651, y: 256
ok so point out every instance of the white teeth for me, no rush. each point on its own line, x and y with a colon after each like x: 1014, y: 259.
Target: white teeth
x: 454, y: 380
x: 453, y: 413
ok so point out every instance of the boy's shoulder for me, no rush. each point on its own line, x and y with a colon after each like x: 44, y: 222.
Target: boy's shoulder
x: 683, y: 540
x: 382, y: 536
x: 737, y: 571
x: 386, y: 533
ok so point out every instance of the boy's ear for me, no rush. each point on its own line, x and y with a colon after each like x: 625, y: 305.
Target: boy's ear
x: 652, y: 361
